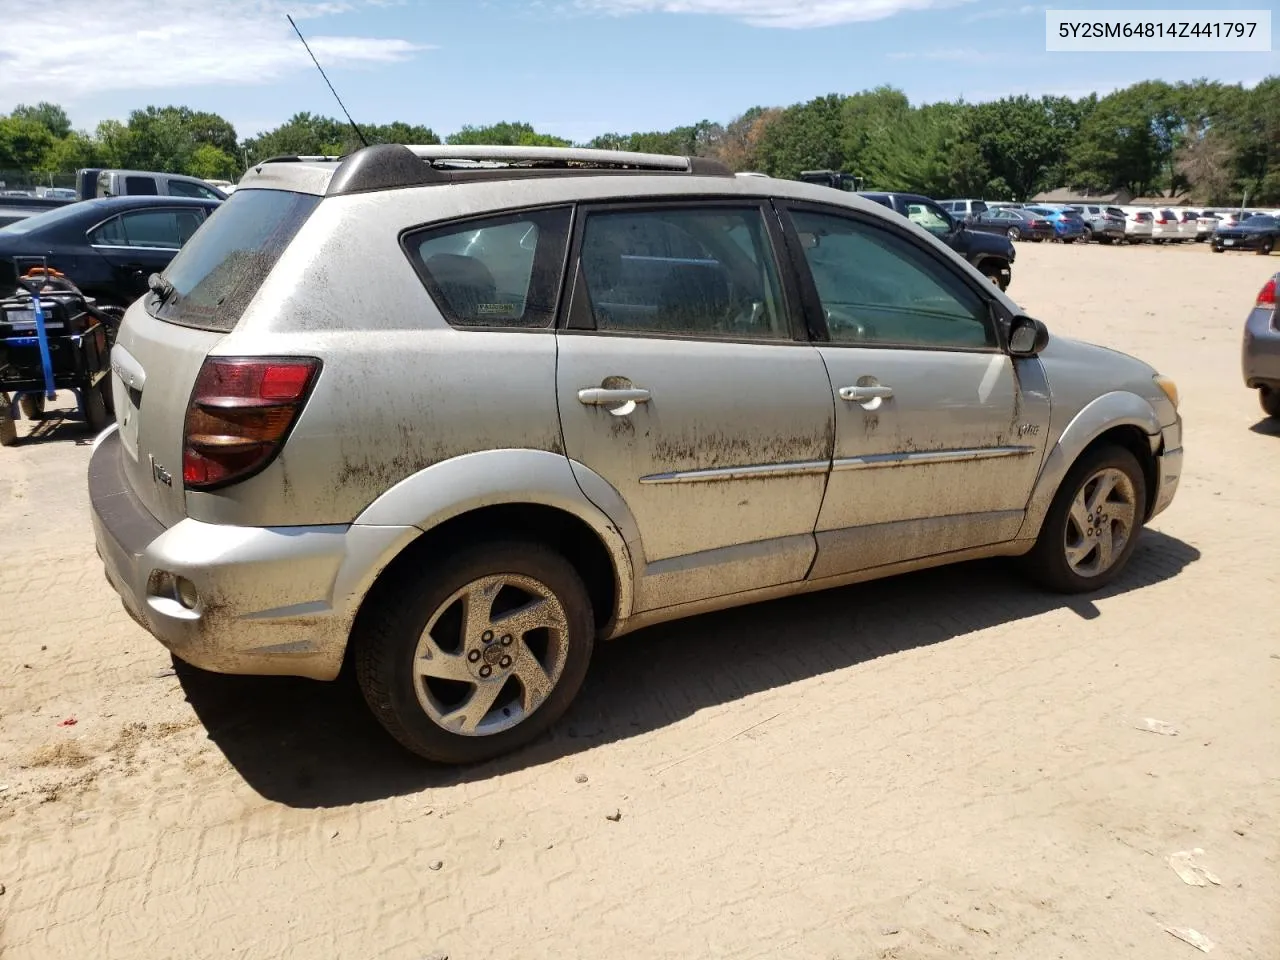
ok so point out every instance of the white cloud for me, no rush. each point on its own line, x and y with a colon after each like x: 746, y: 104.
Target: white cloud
x: 792, y: 14
x: 1002, y: 13
x: 71, y: 48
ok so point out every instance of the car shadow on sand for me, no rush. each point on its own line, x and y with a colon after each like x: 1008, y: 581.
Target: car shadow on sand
x: 308, y: 744
x: 1267, y: 426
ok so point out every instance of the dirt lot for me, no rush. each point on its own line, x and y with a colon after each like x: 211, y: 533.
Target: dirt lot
x: 949, y: 764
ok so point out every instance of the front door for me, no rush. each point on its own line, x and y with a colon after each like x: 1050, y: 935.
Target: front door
x: 683, y: 381
x: 939, y: 433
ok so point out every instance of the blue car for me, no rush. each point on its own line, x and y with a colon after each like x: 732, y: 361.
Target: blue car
x: 1068, y: 225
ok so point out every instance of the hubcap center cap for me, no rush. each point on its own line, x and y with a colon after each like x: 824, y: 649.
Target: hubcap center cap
x: 492, y: 655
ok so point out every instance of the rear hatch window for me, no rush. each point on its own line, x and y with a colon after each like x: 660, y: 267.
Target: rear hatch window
x: 225, y: 263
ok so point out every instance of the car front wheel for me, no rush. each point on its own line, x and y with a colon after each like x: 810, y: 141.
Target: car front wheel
x: 1093, y: 523
x: 472, y: 656
x: 1265, y: 247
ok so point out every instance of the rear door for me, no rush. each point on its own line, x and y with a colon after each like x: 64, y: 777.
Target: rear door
x: 685, y: 381
x: 939, y: 433
x: 162, y: 345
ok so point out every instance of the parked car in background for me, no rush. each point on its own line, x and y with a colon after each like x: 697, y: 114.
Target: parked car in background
x: 1232, y: 218
x: 1187, y: 223
x: 465, y: 549
x: 1137, y: 224
x: 1262, y: 349
x: 139, y: 183
x: 1164, y: 227
x: 1105, y: 224
x: 1067, y: 224
x: 1016, y: 224
x: 108, y: 247
x: 965, y: 210
x: 992, y: 255
x: 1206, y: 223
x: 1260, y: 233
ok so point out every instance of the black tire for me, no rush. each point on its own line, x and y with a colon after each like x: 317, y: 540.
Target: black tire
x: 1047, y: 561
x: 1217, y: 248
x: 1014, y: 233
x: 8, y: 429
x: 95, y: 409
x: 394, y: 616
x: 32, y: 405
x: 1265, y: 248
x: 1269, y: 397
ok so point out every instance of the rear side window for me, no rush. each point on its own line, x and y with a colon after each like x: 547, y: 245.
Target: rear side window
x: 216, y: 275
x: 495, y: 272
x: 140, y: 186
x: 979, y: 206
x: 185, y: 188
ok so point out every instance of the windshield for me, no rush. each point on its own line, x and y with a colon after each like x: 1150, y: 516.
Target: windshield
x: 222, y: 266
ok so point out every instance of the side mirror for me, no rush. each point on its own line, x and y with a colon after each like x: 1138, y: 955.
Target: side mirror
x: 1027, y: 336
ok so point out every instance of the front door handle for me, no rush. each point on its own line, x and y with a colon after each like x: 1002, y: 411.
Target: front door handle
x: 604, y: 397
x: 863, y: 394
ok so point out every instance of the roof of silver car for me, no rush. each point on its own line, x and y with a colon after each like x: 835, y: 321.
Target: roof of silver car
x: 393, y: 166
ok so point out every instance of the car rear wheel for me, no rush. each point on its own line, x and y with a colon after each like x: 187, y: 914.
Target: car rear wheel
x: 1092, y: 526
x: 476, y: 654
x: 1270, y: 400
x: 1014, y: 233
x: 1265, y: 247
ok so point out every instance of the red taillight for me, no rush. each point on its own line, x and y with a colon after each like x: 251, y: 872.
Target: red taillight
x: 1267, y: 295
x: 239, y: 415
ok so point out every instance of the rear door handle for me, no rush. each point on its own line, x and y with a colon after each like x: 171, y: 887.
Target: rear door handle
x: 602, y: 397
x: 863, y: 394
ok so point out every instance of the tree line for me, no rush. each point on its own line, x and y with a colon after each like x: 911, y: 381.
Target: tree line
x: 1219, y: 143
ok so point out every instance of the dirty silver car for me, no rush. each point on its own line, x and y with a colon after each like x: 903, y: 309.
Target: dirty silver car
x: 459, y: 413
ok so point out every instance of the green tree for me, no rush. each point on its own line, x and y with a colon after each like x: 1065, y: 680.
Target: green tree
x: 505, y: 134
x: 209, y: 163
x: 49, y: 115
x: 24, y: 143
x: 73, y: 152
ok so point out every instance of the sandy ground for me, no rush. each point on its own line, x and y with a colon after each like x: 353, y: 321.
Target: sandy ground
x: 948, y: 764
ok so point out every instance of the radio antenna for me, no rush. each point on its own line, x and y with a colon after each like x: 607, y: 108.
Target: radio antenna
x: 326, y: 80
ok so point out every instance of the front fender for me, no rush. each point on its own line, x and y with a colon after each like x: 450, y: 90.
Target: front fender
x: 1116, y: 409
x: 459, y: 485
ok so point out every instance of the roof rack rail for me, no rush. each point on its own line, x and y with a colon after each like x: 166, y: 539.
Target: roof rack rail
x: 389, y: 166
x: 310, y: 158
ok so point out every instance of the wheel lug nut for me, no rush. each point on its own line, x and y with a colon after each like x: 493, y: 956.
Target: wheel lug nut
x: 504, y: 662
x: 473, y: 656
x: 506, y: 640
x: 487, y: 637
x: 486, y: 670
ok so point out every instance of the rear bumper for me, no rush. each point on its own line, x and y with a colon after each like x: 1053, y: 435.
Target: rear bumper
x: 1260, y: 357
x: 1168, y: 467
x: 271, y: 600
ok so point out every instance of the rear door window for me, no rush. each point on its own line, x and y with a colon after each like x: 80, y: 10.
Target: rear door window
x: 216, y: 275
x: 701, y: 272
x: 140, y: 186
x: 185, y: 188
x: 494, y: 272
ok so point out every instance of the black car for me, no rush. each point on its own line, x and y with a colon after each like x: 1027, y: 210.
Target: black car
x: 1260, y: 233
x: 992, y: 254
x: 1016, y: 224
x: 106, y: 247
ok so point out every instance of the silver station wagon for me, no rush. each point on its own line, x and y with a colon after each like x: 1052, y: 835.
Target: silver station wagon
x: 458, y: 413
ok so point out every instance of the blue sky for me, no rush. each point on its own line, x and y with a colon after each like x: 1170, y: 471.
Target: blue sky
x: 570, y: 67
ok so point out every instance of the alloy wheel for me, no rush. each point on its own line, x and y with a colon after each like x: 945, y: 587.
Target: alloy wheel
x: 1100, y: 522
x: 491, y: 654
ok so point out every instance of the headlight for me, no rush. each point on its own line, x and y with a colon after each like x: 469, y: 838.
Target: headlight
x: 1169, y: 387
